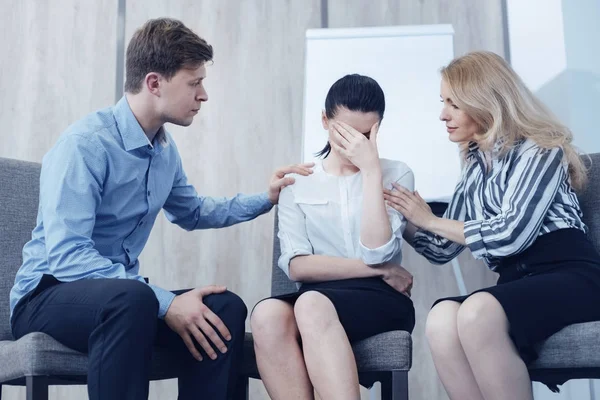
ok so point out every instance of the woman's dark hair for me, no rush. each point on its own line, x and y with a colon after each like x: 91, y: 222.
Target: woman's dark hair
x: 356, y: 93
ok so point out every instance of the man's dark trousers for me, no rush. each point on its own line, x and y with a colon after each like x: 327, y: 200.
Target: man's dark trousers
x: 115, y: 322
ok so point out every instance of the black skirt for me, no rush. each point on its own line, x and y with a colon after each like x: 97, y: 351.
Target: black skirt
x: 552, y: 284
x: 365, y: 306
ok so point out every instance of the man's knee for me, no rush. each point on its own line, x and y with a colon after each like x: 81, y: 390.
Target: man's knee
x: 229, y: 307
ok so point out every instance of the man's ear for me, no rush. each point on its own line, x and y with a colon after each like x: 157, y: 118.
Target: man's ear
x: 324, y: 120
x: 152, y: 82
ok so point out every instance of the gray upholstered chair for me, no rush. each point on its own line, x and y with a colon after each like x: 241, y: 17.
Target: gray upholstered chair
x: 384, y: 358
x: 36, y: 360
x: 573, y: 352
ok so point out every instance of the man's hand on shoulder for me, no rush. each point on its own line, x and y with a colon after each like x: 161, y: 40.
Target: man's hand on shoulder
x: 189, y: 317
x: 279, y: 180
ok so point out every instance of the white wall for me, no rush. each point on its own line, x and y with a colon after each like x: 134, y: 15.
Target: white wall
x: 553, y: 47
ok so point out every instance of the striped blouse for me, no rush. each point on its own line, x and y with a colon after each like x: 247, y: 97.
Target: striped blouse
x: 527, y: 193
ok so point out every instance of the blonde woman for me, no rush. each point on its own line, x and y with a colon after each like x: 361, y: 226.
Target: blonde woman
x: 515, y: 207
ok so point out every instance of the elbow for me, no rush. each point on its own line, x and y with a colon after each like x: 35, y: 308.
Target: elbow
x: 295, y: 269
x: 376, y: 260
x: 376, y: 257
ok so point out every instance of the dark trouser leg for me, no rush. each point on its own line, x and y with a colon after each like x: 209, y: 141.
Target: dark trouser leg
x: 210, y: 379
x: 113, y: 320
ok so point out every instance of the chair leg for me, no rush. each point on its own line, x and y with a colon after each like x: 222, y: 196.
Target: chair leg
x: 395, y: 386
x: 242, y: 389
x: 37, y: 387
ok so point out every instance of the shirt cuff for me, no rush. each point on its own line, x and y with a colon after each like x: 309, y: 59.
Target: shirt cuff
x: 266, y: 204
x: 380, y: 254
x: 474, y: 239
x: 165, y: 298
x: 286, y: 258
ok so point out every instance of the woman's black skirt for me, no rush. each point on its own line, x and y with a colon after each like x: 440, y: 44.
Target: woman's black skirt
x: 365, y: 306
x: 552, y: 284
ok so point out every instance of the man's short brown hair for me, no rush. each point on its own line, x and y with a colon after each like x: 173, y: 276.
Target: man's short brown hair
x: 165, y: 46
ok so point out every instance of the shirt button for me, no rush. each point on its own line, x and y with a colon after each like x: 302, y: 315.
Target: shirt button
x: 141, y: 223
x: 148, y: 193
x: 149, y: 147
x: 127, y: 250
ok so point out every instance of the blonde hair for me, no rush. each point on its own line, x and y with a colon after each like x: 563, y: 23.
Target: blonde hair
x: 483, y: 85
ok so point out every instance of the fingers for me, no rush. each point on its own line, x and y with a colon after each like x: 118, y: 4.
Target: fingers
x: 397, y: 199
x: 300, y: 169
x: 209, y: 332
x: 340, y: 138
x: 189, y: 343
x: 346, y: 130
x: 202, y: 341
x: 340, y: 149
x: 402, y: 189
x: 212, y: 289
x: 219, y: 325
x: 374, y: 132
x: 283, y: 182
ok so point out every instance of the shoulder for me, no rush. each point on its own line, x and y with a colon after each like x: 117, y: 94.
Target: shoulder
x: 396, y: 171
x: 529, y: 149
x: 394, y: 167
x: 90, y: 130
x: 315, y: 184
x: 85, y: 139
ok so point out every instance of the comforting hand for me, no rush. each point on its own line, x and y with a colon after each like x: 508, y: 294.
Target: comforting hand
x: 279, y: 180
x: 189, y: 317
x: 355, y: 146
x: 411, y: 205
x: 398, y: 278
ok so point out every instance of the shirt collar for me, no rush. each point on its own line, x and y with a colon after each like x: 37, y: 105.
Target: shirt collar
x: 131, y: 131
x: 472, y: 148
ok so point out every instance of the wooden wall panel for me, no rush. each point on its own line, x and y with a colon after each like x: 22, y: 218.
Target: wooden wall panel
x: 58, y: 64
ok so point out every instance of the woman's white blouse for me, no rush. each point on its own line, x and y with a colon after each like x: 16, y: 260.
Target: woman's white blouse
x: 321, y: 214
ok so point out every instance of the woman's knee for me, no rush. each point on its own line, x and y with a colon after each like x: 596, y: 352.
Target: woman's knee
x: 272, y: 321
x: 314, y: 312
x: 480, y: 318
x: 441, y: 322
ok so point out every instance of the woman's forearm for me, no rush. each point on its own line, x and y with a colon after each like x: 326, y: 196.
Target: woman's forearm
x: 317, y: 268
x: 375, y: 228
x: 448, y: 228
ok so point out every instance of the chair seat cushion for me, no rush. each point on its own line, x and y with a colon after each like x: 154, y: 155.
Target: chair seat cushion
x: 384, y: 352
x: 39, y: 354
x: 575, y: 346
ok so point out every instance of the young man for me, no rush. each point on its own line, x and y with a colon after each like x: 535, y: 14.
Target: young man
x: 101, y: 188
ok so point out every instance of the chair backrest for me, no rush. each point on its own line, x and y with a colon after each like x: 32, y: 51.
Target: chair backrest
x: 19, y: 195
x: 280, y: 283
x: 590, y: 200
